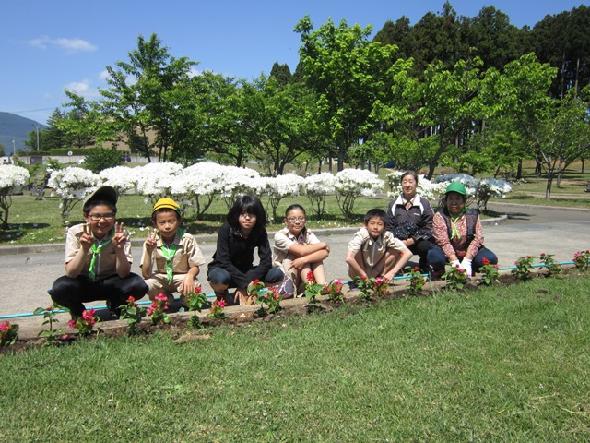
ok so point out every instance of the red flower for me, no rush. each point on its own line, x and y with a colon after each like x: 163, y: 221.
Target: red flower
x: 5, y: 326
x: 152, y: 308
x: 72, y: 323
x: 221, y: 303
x: 131, y: 300
x: 485, y: 261
x: 310, y: 277
x: 379, y: 281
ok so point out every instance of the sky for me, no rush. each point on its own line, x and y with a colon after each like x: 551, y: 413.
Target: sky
x: 48, y: 46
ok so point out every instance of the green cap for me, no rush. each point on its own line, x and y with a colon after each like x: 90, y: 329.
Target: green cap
x: 457, y: 187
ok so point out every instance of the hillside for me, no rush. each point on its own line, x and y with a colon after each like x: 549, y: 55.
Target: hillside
x: 13, y: 126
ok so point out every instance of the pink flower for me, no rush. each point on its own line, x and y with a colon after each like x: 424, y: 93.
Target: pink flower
x: 462, y: 271
x: 255, y: 281
x: 5, y: 326
x: 88, y: 314
x: 221, y: 303
x: 162, y: 297
x: 152, y: 308
x: 131, y: 300
x: 379, y: 281
x: 72, y: 323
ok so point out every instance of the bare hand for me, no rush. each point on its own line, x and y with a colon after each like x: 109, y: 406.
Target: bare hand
x: 298, y: 263
x: 119, y: 238
x: 152, y: 241
x: 187, y: 286
x: 409, y: 242
x: 86, y: 241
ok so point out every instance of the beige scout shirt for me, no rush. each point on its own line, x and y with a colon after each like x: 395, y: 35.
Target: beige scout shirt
x: 373, y: 250
x: 106, y: 262
x: 188, y: 255
x: 284, y: 239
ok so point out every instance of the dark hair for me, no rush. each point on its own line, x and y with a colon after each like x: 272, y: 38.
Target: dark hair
x: 158, y: 211
x: 412, y: 173
x: 92, y: 203
x: 250, y: 205
x: 293, y: 207
x: 374, y: 213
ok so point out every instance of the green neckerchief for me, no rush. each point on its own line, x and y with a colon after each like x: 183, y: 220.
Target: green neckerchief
x: 95, y: 250
x: 169, y: 252
x: 455, y: 234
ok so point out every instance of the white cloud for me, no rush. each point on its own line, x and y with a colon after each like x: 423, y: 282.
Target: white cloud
x: 70, y: 45
x: 194, y: 72
x: 82, y: 88
x: 104, y: 75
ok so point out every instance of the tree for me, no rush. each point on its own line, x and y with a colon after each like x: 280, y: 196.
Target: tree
x: 564, y: 137
x: 83, y: 124
x: 281, y: 73
x: 397, y: 33
x: 143, y: 94
x: 563, y: 41
x: 347, y: 71
x: 2, y: 150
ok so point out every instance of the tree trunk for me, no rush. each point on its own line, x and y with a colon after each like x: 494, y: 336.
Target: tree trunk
x: 582, y: 165
x: 330, y: 165
x: 519, y: 169
x: 434, y: 160
x: 559, y: 175
x: 538, y: 166
x: 576, y: 81
x: 319, y: 167
x: 340, y: 160
x: 549, y: 183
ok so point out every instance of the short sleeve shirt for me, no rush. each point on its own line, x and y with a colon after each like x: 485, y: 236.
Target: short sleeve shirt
x: 284, y: 239
x: 187, y: 255
x: 373, y: 249
x: 106, y: 263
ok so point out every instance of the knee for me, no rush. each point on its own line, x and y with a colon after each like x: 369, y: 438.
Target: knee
x: 274, y: 275
x: 62, y: 287
x: 436, y: 258
x: 219, y: 276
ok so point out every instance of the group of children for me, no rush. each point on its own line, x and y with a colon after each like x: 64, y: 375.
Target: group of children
x: 98, y: 252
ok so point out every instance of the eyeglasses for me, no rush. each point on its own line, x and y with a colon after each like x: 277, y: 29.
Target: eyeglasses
x: 295, y: 219
x: 98, y: 217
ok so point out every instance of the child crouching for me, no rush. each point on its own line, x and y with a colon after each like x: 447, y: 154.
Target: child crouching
x: 374, y: 252
x: 176, y: 255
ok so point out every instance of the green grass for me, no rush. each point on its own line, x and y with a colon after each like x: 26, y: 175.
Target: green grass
x: 554, y: 201
x: 38, y: 221
x: 501, y: 364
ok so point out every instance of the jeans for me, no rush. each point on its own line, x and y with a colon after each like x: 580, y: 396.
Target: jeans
x: 437, y: 258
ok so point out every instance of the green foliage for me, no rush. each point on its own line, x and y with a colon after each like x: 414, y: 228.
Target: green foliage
x: 523, y: 267
x: 455, y: 278
x: 98, y: 159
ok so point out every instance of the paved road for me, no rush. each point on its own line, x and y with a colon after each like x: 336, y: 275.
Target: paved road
x: 529, y: 231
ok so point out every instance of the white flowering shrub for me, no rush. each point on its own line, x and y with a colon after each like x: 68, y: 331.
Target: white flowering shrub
x: 155, y: 180
x: 481, y: 190
x: 236, y: 181
x: 198, y: 185
x: 11, y: 176
x: 353, y: 183
x: 317, y: 187
x: 72, y: 184
x: 279, y: 187
x: 122, y: 178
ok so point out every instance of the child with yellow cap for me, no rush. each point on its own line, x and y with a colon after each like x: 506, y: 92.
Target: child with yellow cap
x: 175, y: 253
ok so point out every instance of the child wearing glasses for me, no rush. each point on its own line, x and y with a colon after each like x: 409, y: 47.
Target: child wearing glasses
x: 298, y: 251
x: 175, y: 253
x: 97, y: 259
x: 233, y: 262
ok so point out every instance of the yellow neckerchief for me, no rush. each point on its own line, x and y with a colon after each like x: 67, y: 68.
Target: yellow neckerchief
x: 455, y: 233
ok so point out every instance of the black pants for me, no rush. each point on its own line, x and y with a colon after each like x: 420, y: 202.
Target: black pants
x: 73, y: 292
x: 421, y: 248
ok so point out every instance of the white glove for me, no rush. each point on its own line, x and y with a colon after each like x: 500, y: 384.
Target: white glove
x: 466, y: 264
x: 455, y: 263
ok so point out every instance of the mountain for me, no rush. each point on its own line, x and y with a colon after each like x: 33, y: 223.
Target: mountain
x: 15, y: 127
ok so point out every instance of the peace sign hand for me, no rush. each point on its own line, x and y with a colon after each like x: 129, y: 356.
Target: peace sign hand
x: 152, y: 240
x: 120, y: 237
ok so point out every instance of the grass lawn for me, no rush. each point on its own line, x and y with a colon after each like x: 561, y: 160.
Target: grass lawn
x: 508, y: 363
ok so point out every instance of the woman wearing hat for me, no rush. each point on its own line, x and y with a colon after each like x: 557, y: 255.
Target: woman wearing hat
x: 98, y: 259
x: 458, y: 233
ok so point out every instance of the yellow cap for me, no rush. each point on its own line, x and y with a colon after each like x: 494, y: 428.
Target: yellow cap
x: 166, y: 203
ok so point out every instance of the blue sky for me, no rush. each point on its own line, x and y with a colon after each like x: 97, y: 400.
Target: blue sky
x: 47, y: 46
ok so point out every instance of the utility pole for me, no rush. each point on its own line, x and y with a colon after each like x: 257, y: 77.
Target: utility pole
x: 37, y: 129
x: 13, y: 146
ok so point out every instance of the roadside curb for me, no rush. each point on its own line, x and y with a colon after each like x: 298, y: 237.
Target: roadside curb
x: 58, y: 247
x: 522, y: 205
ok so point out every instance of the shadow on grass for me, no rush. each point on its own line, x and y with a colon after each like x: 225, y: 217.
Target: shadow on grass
x: 15, y: 231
